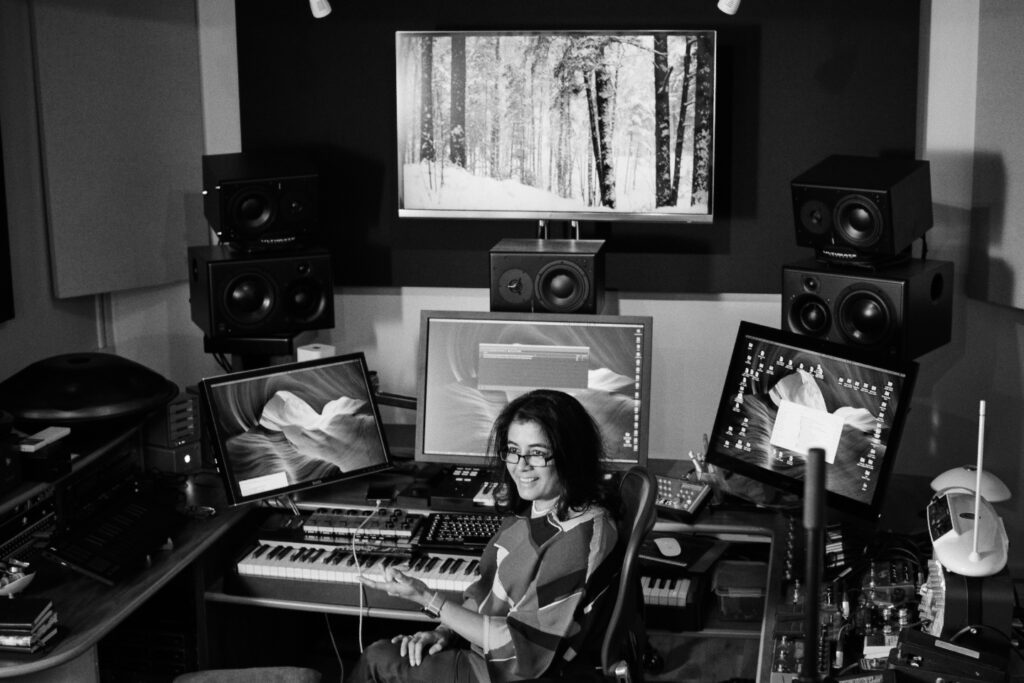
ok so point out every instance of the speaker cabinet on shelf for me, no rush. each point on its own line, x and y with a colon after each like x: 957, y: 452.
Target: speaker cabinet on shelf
x: 547, y: 275
x: 901, y: 311
x: 862, y: 209
x: 256, y: 201
x: 238, y: 294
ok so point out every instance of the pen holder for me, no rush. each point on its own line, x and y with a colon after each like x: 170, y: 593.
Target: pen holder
x: 712, y: 476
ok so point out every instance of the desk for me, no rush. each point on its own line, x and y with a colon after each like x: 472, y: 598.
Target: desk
x: 87, y: 609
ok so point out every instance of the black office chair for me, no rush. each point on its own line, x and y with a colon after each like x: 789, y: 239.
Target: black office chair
x: 625, y: 641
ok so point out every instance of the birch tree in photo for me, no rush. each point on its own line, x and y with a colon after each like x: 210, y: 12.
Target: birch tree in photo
x: 684, y: 110
x: 662, y: 124
x: 457, y: 137
x: 426, y: 99
x: 703, y: 123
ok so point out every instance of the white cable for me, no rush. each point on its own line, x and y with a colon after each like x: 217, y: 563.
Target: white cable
x: 359, y: 571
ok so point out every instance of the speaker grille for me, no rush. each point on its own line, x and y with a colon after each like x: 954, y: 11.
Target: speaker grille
x: 238, y: 294
x: 862, y: 210
x: 555, y: 276
x: 255, y: 200
x: 900, y: 311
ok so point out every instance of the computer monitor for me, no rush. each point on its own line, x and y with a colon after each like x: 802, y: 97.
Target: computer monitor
x: 287, y: 428
x: 472, y: 364
x: 786, y: 393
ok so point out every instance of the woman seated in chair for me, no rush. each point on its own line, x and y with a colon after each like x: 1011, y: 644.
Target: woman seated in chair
x: 546, y: 577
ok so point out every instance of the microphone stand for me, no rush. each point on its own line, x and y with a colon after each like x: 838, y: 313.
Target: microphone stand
x: 814, y: 508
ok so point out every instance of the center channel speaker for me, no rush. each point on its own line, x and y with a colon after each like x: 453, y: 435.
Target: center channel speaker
x: 547, y: 275
x: 901, y: 312
x: 238, y: 294
x: 257, y: 201
x: 862, y: 209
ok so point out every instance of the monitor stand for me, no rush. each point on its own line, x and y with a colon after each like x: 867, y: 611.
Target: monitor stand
x: 287, y: 502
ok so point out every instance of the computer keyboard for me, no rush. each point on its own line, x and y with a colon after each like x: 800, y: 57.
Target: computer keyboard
x: 458, y: 532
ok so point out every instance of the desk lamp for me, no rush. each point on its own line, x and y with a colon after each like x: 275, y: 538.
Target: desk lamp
x: 967, y: 535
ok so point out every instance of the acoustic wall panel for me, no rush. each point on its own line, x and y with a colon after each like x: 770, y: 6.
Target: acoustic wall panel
x: 6, y: 283
x: 996, y: 266
x: 120, y: 108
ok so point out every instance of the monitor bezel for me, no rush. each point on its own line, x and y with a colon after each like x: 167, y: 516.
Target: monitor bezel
x: 223, y: 464
x: 707, y: 80
x: 426, y: 316
x: 870, y: 510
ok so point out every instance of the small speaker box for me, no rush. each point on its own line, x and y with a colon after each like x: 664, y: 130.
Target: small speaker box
x: 862, y: 209
x: 236, y: 294
x: 544, y: 275
x: 254, y: 201
x: 902, y: 311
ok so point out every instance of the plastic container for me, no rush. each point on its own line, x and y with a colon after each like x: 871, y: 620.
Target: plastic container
x: 740, y: 589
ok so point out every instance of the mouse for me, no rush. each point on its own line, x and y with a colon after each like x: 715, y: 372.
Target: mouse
x: 668, y: 546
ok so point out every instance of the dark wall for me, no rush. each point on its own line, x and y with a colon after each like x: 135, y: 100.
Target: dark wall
x: 6, y: 285
x: 797, y: 81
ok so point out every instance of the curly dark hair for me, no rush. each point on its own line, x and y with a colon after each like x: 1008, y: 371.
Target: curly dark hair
x: 576, y: 444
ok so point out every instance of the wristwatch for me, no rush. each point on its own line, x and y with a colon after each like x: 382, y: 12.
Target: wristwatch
x: 433, y: 607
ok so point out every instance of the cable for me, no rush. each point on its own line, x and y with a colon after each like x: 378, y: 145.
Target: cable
x: 359, y: 571
x: 973, y: 630
x: 334, y: 645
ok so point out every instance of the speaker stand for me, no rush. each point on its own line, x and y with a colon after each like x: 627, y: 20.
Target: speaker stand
x: 248, y: 353
x: 572, y: 231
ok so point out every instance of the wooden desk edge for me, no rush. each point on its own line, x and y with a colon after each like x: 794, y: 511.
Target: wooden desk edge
x: 128, y: 596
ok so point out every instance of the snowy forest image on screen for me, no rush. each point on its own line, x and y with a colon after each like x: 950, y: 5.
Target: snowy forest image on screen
x: 597, y: 125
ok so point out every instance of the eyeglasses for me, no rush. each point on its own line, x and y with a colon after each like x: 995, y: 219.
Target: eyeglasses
x: 535, y: 457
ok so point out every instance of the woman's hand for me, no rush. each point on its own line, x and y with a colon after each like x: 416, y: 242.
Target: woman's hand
x: 414, y: 645
x: 395, y: 583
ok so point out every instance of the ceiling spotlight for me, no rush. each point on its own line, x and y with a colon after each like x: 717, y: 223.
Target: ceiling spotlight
x: 729, y: 6
x: 321, y: 8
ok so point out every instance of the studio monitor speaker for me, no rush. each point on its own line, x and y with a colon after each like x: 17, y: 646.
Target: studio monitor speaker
x: 547, y: 275
x: 237, y: 294
x: 901, y: 312
x: 862, y: 209
x: 258, y: 201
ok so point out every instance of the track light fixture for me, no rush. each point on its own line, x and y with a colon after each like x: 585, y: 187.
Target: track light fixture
x: 321, y: 8
x: 729, y: 6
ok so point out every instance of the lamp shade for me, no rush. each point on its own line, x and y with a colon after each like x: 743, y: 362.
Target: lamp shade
x: 966, y: 478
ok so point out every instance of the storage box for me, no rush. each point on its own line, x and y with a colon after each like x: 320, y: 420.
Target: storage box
x: 740, y: 587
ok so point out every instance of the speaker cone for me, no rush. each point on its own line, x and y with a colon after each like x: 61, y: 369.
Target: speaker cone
x: 562, y: 286
x: 858, y: 220
x: 306, y: 300
x: 810, y: 315
x: 248, y: 299
x: 251, y: 209
x: 865, y: 316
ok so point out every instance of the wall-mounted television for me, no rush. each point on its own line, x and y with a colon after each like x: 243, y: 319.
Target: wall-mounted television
x: 556, y: 125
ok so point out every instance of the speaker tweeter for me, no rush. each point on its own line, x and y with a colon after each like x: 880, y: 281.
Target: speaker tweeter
x: 547, y: 275
x: 862, y: 210
x: 901, y: 311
